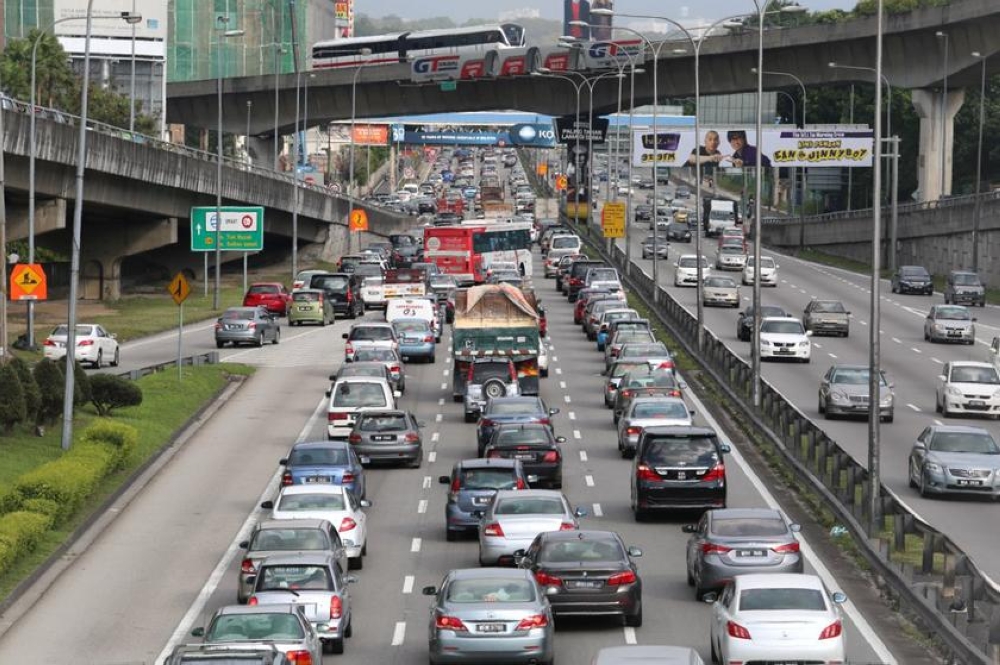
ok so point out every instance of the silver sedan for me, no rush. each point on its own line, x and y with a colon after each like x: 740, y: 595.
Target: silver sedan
x: 490, y: 615
x: 514, y: 517
x: 645, y: 412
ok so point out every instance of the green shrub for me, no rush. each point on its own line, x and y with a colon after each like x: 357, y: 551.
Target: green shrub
x: 121, y: 438
x: 71, y: 479
x: 10, y: 500
x: 12, y: 408
x: 108, y: 392
x: 42, y: 507
x: 20, y: 533
x: 49, y: 377
x: 32, y: 397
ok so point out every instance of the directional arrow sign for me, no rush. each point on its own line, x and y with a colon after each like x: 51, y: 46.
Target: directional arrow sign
x: 241, y: 230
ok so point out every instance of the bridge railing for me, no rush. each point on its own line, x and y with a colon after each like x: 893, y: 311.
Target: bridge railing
x: 904, y: 208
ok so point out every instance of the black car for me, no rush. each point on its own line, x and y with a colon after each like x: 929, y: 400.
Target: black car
x: 679, y: 231
x: 343, y: 290
x: 586, y: 573
x: 744, y: 322
x: 534, y: 445
x: 574, y: 280
x: 520, y: 410
x: 678, y: 468
x: 912, y: 279
x: 643, y: 212
x: 471, y: 485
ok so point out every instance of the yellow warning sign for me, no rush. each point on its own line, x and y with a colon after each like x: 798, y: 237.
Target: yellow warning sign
x: 179, y: 288
x: 27, y: 282
x: 562, y: 182
x: 359, y: 220
x: 613, y: 220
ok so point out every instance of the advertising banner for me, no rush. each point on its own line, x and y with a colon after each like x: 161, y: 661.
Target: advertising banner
x: 371, y: 134
x: 527, y: 135
x: 533, y: 134
x: 729, y: 148
x: 576, y: 10
x: 152, y: 26
x: 570, y: 130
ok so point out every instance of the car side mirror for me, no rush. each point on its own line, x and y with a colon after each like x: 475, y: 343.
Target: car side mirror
x: 429, y: 591
x: 725, y: 447
x: 710, y: 597
x: 397, y: 394
x: 919, y: 445
x: 267, y: 505
x: 942, y: 377
x: 349, y: 359
x: 690, y: 528
x: 682, y: 385
x: 251, y: 580
x: 198, y: 632
x: 553, y: 411
x: 795, y: 528
x: 974, y: 319
x: 328, y: 392
x: 332, y: 377
x: 560, y: 439
x: 244, y: 544
x: 690, y: 412
x: 283, y: 461
x: 580, y: 512
x: 113, y: 336
x: 350, y: 579
x: 839, y: 597
x: 809, y: 333
x: 344, y: 336
x: 444, y: 480
x: 365, y: 503
x: 520, y: 554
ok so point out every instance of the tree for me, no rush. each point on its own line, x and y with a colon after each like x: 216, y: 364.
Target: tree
x: 50, y: 380
x: 32, y: 396
x: 12, y: 408
x: 110, y: 392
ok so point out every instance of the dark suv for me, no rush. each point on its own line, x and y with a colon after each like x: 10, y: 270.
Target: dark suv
x: 678, y: 468
x: 963, y: 286
x: 343, y: 290
x: 577, y: 275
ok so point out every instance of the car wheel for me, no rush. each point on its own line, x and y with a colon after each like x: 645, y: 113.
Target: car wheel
x: 945, y: 411
x: 822, y: 407
x: 432, y: 359
x: 470, y: 417
x: 947, y: 300
x: 847, y: 333
x: 714, y: 654
x: 334, y: 646
x: 450, y: 536
x: 912, y: 483
x: 417, y: 461
x: 640, y: 514
x: 922, y: 485
x: 277, y: 337
x: 260, y: 339
x: 219, y: 344
x: 100, y: 360
x: 635, y: 620
x: 356, y: 563
x: 114, y: 362
x: 889, y: 418
x: 543, y: 373
x: 494, y: 388
x: 937, y: 405
x: 349, y: 631
x: 322, y: 322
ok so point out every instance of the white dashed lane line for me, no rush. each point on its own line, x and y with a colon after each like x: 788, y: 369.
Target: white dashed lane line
x: 422, y: 506
x: 438, y: 418
x: 914, y: 407
x: 427, y: 482
x: 567, y: 398
x: 399, y: 633
x: 558, y: 370
x: 562, y: 384
x: 432, y: 456
x: 583, y: 455
x: 896, y: 340
x: 589, y: 480
x: 630, y: 635
x: 915, y: 349
x: 576, y: 434
x: 935, y: 360
x: 938, y: 422
x: 444, y: 386
x: 415, y: 545
x: 435, y: 436
x: 408, y: 584
x: 598, y: 511
x: 571, y: 415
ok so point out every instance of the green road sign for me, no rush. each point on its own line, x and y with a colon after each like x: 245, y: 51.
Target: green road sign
x: 449, y: 86
x: 242, y: 229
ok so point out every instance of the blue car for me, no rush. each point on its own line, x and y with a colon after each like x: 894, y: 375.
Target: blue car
x: 324, y: 462
x: 416, y: 338
x: 471, y: 485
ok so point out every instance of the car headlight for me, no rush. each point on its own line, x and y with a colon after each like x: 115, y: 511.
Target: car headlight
x: 764, y: 342
x: 838, y: 397
x: 932, y: 467
x: 953, y: 391
x: 886, y: 401
x: 938, y: 326
x: 804, y: 344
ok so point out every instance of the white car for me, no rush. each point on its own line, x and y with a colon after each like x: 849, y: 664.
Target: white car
x: 94, y: 345
x: 686, y: 270
x: 333, y: 503
x: 784, y: 337
x: 768, y: 271
x: 352, y: 394
x: 776, y: 618
x: 373, y: 292
x: 968, y: 387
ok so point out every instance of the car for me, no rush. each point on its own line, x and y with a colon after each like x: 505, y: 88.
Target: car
x: 719, y: 290
x: 310, y: 306
x: 642, y: 212
x: 94, y: 345
x: 318, y: 462
x: 272, y: 296
x: 561, y: 267
x: 247, y: 325
x: 616, y: 370
x: 768, y: 271
x: 377, y: 370
x: 686, y: 270
x: 586, y: 573
x: 271, y: 537
x: 608, y: 317
x: 576, y: 275
x: 647, y: 654
x: 649, y: 411
x: 645, y: 382
x: 373, y: 292
x: 388, y: 357
x: 488, y: 378
x: 521, y: 410
x: 334, y: 503
x: 595, y: 311
x: 844, y: 391
x: 351, y: 395
x: 655, y: 244
x: 784, y: 337
x: 619, y: 335
x: 950, y: 323
x: 490, y: 615
x: 912, y: 279
x: 602, y: 277
x: 737, y: 541
x: 828, y: 317
x: 744, y: 322
x: 587, y: 296
x: 534, y: 444
x: 367, y: 335
x: 969, y: 388
x: 678, y: 232
x: 343, y: 290
x: 745, y: 613
x: 954, y: 459
x: 513, y: 518
x: 425, y: 308
x: 471, y: 486
x: 315, y: 581
x: 564, y: 243
x: 655, y: 354
x: 388, y: 436
x: 220, y: 654
x: 304, y: 277
x: 285, y: 626
x: 416, y: 339
x: 964, y: 286
x: 731, y: 257
x: 677, y: 469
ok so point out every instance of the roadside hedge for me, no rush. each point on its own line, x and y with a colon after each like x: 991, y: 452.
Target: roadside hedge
x: 20, y: 533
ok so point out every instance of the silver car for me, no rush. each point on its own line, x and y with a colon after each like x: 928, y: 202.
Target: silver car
x: 284, y: 625
x: 388, y: 436
x: 247, y: 325
x: 392, y: 361
x: 315, y: 581
x: 720, y: 291
x: 645, y: 412
x: 843, y: 391
x: 736, y: 541
x: 369, y: 335
x: 514, y: 517
x: 950, y: 323
x: 648, y: 654
x: 490, y: 615
x: 955, y: 460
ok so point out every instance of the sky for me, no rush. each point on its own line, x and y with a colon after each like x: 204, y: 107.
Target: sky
x: 461, y: 10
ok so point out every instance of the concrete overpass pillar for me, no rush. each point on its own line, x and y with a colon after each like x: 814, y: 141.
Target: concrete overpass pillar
x: 104, y: 245
x: 936, y: 137
x: 262, y: 151
x: 50, y: 215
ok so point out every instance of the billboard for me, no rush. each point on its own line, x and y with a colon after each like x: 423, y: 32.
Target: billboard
x: 108, y: 21
x: 604, y: 31
x: 737, y: 147
x: 580, y: 130
x: 576, y: 10
x: 532, y: 134
x: 371, y: 134
x: 344, y: 15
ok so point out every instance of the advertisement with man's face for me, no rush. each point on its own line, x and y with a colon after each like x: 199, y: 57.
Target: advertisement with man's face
x: 730, y: 148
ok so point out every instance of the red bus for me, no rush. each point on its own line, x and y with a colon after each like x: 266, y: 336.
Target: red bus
x: 466, y: 251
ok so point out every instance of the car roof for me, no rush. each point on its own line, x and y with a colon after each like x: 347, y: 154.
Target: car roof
x: 781, y: 318
x: 307, y: 557
x: 371, y: 324
x: 312, y: 445
x: 313, y: 488
x: 970, y: 363
x: 685, y: 430
x: 383, y: 412
x: 657, y: 398
x: 582, y: 534
x: 778, y: 581
x: 300, y: 523
x: 529, y: 494
x: 487, y: 463
x: 490, y: 573
x: 268, y: 608
x: 363, y: 364
x: 363, y: 379
x: 745, y: 513
x: 647, y: 654
x: 960, y: 429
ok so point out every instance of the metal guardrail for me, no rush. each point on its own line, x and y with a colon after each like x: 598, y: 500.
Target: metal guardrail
x: 208, y: 358
x: 905, y: 208
x: 946, y: 590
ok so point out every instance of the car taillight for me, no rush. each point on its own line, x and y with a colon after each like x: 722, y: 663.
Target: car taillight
x: 49, y: 342
x: 486, y: 422
x: 628, y: 392
x: 633, y: 431
x: 493, y: 454
x: 411, y: 437
x: 456, y: 484
x: 534, y: 621
x: 493, y: 530
x: 85, y: 342
x: 348, y: 477
x: 336, y: 607
x: 544, y: 579
x: 299, y: 657
x: 717, y: 472
x: 247, y: 566
x: 348, y: 350
x: 286, y: 478
x: 551, y: 457
x: 615, y: 351
x: 252, y: 601
x: 347, y: 524
x: 251, y: 325
x: 521, y: 484
x: 675, y: 393
x: 666, y: 364
x: 335, y: 415
x: 394, y: 369
x: 627, y: 577
x: 445, y: 622
x: 611, y: 385
x: 787, y: 548
x: 644, y: 472
x: 545, y: 421
x: 714, y: 548
x: 831, y: 631
x: 429, y: 338
x: 568, y: 526
x: 350, y: 295
x: 354, y: 438
x: 736, y: 630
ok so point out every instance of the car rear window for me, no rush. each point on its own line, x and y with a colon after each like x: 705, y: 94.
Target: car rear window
x: 523, y: 435
x: 573, y: 551
x: 782, y: 599
x: 621, y: 369
x: 498, y: 590
x: 513, y: 407
x: 377, y: 355
x: 565, y: 242
x: 304, y: 577
x: 411, y: 326
x: 690, y: 451
x: 263, y: 288
x: 288, y: 540
x: 371, y: 333
x: 748, y: 526
x: 359, y: 394
x: 329, y: 282
x: 305, y: 296
x: 832, y: 307
x: 310, y: 502
x: 529, y: 506
x: 258, y: 626
x: 488, y: 479
x: 309, y: 456
x: 234, y: 314
x: 385, y: 423
x: 669, y: 409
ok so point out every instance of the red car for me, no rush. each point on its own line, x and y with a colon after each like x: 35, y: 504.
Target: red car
x: 271, y: 295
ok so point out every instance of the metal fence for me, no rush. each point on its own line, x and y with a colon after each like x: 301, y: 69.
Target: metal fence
x: 208, y: 358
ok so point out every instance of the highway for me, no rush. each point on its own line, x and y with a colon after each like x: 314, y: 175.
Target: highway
x: 909, y: 362
x: 170, y: 558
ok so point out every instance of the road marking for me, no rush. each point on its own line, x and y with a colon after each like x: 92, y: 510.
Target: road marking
x: 398, y: 633
x: 915, y: 349
x: 415, y: 545
x: 938, y: 422
x: 408, y: 584
x: 583, y: 455
x: 630, y: 635
x: 914, y: 407
x: 576, y: 434
x: 198, y: 606
x: 567, y: 398
x: 427, y: 482
x: 895, y: 339
x: 441, y: 401
x: 832, y: 355
x: 422, y: 506
x: 558, y: 370
x: 572, y: 415
x: 446, y: 372
x: 562, y: 384
x: 435, y: 436
x: 818, y: 346
x: 432, y: 456
x: 864, y: 323
x: 939, y: 362
x: 555, y: 359
x: 589, y: 480
x: 598, y: 511
x: 438, y: 418
x: 444, y: 386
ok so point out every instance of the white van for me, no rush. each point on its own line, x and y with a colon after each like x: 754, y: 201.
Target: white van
x: 414, y: 308
x: 721, y: 215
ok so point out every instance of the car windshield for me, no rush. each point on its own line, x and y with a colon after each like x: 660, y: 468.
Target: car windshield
x: 380, y: 423
x: 564, y: 242
x: 670, y: 409
x: 498, y: 590
x: 530, y: 506
x: 81, y: 330
x: 287, y: 540
x: 765, y: 262
x: 721, y: 282
x: 257, y: 289
x: 483, y: 371
x: 525, y: 435
x: 280, y: 578
x: 308, y: 502
x: 306, y: 296
x: 371, y: 334
x: 312, y: 456
x: 355, y: 369
x: 278, y: 626
x: 964, y: 442
x: 488, y: 479
x: 690, y: 451
x: 329, y: 282
x: 581, y: 550
x: 966, y: 279
x: 828, y: 307
x: 688, y: 262
x: 960, y: 374
x: 748, y: 526
x: 853, y: 376
x: 359, y: 394
x: 514, y: 407
x: 914, y: 272
x: 953, y: 313
x: 782, y: 327
x: 782, y: 599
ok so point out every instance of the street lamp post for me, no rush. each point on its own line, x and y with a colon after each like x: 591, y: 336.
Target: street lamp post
x: 131, y: 84
x: 577, y: 87
x: 216, y: 295
x: 944, y: 111
x: 249, y: 162
x: 979, y: 164
x: 354, y: 112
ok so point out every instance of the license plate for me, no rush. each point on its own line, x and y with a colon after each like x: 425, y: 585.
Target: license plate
x: 524, y: 456
x: 384, y: 437
x: 317, y: 479
x: 969, y: 483
x: 304, y: 309
x: 977, y: 402
x: 784, y: 352
x: 232, y: 327
x: 491, y: 628
x: 749, y: 554
x: 480, y: 500
x: 682, y: 475
x: 584, y: 584
x: 954, y: 333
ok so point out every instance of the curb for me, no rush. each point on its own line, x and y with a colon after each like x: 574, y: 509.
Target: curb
x: 28, y: 592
